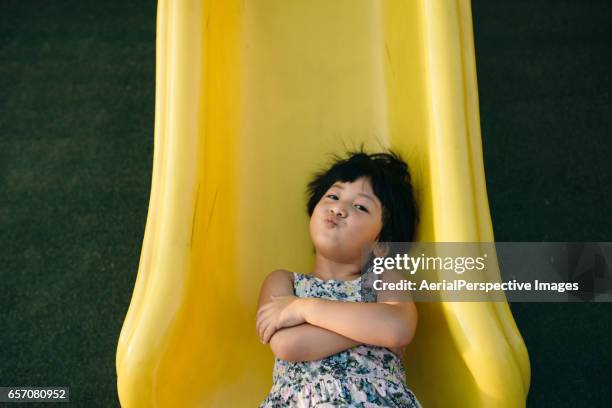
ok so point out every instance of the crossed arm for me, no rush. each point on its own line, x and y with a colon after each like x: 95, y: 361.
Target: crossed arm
x: 304, y: 329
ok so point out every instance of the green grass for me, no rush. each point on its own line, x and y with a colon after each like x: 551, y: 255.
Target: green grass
x: 76, y: 120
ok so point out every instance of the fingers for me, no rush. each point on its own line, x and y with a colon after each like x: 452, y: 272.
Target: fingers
x: 262, y: 322
x: 265, y: 329
x: 261, y: 309
x: 262, y: 331
x: 257, y: 325
x: 268, y: 332
x: 265, y: 306
x: 259, y: 319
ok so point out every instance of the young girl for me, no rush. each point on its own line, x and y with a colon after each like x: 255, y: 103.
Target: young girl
x: 334, y: 344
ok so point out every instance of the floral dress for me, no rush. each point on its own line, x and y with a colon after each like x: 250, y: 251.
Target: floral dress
x: 361, y: 376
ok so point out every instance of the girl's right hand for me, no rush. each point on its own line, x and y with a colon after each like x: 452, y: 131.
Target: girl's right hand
x: 280, y: 312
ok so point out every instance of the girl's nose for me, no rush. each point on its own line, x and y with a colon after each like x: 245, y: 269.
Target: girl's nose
x: 337, y: 211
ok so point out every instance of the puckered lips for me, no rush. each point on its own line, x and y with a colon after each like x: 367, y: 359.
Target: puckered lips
x: 330, y: 221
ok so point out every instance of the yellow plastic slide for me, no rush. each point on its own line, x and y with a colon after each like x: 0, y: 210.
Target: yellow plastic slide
x: 251, y: 99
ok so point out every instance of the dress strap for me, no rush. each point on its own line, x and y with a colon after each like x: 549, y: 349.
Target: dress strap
x: 297, y: 277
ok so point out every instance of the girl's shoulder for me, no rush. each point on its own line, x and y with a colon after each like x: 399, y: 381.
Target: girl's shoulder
x: 283, y: 274
x: 278, y: 282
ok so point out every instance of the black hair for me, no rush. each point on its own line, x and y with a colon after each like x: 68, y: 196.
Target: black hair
x: 391, y: 182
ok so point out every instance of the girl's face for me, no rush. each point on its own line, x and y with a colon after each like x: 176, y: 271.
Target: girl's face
x: 345, y: 220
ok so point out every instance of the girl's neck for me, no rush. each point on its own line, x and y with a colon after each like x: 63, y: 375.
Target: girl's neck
x: 328, y: 269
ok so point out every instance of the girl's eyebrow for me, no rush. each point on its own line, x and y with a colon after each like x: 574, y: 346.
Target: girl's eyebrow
x: 369, y: 197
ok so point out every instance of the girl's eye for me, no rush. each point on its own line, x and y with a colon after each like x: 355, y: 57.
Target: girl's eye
x: 361, y: 207
x: 358, y: 206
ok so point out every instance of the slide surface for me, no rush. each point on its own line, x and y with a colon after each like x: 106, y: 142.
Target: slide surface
x: 252, y: 97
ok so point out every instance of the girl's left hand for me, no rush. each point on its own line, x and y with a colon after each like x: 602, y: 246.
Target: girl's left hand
x: 281, y: 311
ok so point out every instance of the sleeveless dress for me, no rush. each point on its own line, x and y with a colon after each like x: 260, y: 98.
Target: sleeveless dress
x: 362, y: 376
